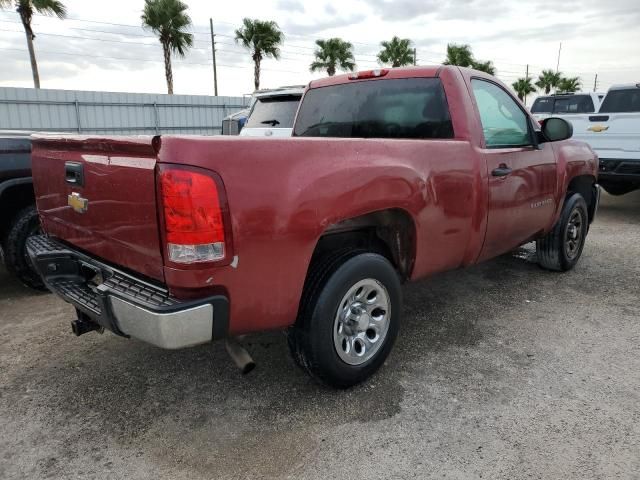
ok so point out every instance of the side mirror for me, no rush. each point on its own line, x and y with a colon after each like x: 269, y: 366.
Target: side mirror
x: 555, y: 129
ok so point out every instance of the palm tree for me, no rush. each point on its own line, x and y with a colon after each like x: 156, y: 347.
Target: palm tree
x: 523, y: 87
x: 487, y: 67
x: 26, y: 9
x: 462, y: 56
x: 168, y: 20
x: 332, y: 54
x: 459, y: 55
x: 263, y: 39
x: 397, y: 52
x: 569, y: 85
x: 547, y: 80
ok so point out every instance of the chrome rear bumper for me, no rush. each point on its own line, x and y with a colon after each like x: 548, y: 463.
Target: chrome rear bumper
x: 126, y: 305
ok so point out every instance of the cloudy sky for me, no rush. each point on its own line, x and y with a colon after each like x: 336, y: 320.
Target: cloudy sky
x: 101, y: 46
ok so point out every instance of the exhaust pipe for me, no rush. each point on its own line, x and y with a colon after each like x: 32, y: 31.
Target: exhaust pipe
x: 81, y: 326
x: 239, y: 355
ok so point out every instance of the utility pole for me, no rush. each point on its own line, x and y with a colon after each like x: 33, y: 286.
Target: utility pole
x: 415, y: 61
x: 595, y: 83
x: 558, y: 64
x: 526, y: 76
x: 213, y: 51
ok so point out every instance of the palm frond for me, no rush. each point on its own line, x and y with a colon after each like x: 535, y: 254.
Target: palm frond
x: 397, y: 52
x: 331, y: 54
x: 263, y: 38
x: 50, y: 7
x: 168, y: 19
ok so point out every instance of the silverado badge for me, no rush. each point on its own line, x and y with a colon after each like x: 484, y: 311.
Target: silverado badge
x: 598, y: 128
x: 78, y: 203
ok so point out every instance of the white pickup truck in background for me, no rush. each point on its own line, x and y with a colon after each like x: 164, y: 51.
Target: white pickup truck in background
x: 566, y: 105
x: 614, y: 133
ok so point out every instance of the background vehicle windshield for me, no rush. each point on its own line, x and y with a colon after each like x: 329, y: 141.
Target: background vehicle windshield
x: 621, y: 101
x: 278, y: 112
x: 398, y: 108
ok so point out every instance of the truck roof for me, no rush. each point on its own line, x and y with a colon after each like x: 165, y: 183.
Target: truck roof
x: 624, y: 86
x: 274, y: 92
x: 400, y: 72
x: 423, y: 71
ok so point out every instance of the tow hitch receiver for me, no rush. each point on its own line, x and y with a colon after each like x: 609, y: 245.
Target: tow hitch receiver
x: 83, y: 325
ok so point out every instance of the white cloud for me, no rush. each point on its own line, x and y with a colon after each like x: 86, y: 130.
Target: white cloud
x: 597, y: 37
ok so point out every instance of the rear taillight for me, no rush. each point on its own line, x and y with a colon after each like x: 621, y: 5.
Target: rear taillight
x: 193, y: 216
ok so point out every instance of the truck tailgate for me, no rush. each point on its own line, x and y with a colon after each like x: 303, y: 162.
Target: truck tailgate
x: 99, y: 195
x: 611, y: 135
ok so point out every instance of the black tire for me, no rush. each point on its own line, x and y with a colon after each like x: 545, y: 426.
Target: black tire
x: 618, y: 189
x: 311, y: 339
x: 24, y: 224
x: 554, y: 250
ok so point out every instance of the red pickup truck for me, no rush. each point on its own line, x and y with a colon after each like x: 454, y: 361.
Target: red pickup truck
x: 392, y: 175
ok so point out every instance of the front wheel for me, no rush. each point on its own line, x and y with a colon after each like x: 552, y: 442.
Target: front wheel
x: 348, y: 319
x: 561, y: 249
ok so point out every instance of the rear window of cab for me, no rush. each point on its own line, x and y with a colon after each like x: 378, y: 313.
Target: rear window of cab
x: 276, y: 112
x: 563, y: 104
x: 411, y: 108
x: 625, y: 100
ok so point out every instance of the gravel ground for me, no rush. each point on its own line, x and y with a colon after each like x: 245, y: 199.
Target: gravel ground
x: 501, y: 371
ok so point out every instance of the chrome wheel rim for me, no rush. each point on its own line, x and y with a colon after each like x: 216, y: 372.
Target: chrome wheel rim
x: 573, y: 234
x: 361, y: 322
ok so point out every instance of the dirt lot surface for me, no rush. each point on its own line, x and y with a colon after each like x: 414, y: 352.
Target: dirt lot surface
x: 501, y: 371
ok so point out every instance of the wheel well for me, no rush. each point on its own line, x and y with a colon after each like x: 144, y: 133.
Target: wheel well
x: 583, y: 185
x: 388, y: 232
x: 12, y: 200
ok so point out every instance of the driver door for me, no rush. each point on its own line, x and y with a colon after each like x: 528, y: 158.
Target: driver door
x: 521, y: 174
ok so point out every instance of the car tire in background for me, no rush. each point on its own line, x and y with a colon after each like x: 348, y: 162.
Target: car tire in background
x: 562, y: 247
x: 348, y: 319
x: 23, y: 225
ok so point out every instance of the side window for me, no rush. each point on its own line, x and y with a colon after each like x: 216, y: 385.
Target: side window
x: 574, y: 104
x: 503, y: 122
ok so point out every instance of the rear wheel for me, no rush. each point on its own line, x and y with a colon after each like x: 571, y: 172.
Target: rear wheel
x: 561, y: 249
x: 25, y: 224
x: 348, y: 319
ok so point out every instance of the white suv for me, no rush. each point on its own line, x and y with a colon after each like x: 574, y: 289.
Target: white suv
x: 273, y: 112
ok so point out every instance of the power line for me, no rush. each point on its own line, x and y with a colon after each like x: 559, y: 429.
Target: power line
x: 139, y: 59
x: 108, y: 40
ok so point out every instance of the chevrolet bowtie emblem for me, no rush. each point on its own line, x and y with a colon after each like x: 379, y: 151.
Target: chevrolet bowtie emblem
x: 78, y: 203
x: 598, y: 128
